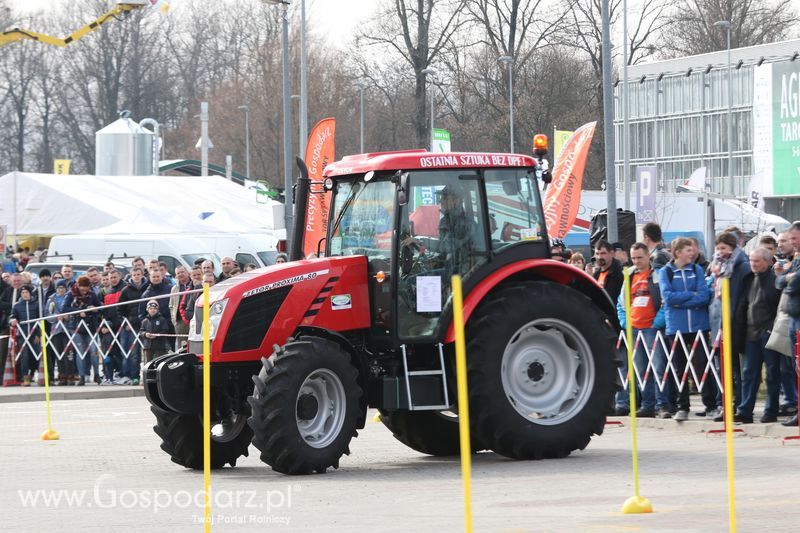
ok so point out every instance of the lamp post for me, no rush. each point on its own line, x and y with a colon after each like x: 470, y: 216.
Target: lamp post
x: 729, y: 189
x: 287, y: 121
x: 509, y: 61
x: 361, y: 84
x: 301, y: 144
x: 432, y: 73
x: 303, y: 83
x: 246, y: 110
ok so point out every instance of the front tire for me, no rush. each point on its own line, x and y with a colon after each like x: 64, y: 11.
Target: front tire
x: 305, y: 406
x: 541, y: 370
x: 182, y: 438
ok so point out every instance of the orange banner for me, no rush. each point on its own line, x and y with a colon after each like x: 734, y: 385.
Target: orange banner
x: 319, y: 152
x: 564, y: 193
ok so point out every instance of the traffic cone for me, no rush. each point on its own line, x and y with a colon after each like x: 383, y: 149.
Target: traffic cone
x: 8, y: 373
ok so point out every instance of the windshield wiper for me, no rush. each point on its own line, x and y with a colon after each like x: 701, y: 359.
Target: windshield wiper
x: 355, y: 190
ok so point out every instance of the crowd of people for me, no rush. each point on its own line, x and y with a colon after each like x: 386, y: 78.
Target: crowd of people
x: 82, y: 335
x: 675, y: 291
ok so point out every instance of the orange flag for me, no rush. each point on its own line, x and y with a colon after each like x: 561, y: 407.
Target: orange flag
x: 319, y: 152
x: 564, y: 193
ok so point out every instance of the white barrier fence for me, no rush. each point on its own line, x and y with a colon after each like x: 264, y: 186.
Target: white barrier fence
x: 82, y: 339
x: 660, y: 347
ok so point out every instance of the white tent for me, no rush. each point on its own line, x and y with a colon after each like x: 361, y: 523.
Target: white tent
x: 48, y: 204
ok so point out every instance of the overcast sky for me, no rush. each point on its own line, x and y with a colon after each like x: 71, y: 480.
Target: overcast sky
x: 335, y: 19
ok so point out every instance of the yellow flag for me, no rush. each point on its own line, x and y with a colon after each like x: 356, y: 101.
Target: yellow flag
x: 61, y: 166
x: 559, y: 140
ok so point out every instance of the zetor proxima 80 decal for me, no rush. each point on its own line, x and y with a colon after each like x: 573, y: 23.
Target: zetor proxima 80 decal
x: 301, y: 350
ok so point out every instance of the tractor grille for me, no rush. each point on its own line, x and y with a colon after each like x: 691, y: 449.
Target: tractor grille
x: 252, y: 319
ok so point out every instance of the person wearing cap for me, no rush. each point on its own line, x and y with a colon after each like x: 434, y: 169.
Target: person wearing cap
x: 457, y: 230
x: 154, y: 324
x: 27, y: 333
x: 57, y: 340
x: 84, y: 325
x: 46, y: 284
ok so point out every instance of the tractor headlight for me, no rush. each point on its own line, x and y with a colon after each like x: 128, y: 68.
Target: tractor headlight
x: 216, y: 311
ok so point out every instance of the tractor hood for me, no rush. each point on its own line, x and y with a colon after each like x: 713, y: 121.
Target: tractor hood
x: 254, y: 310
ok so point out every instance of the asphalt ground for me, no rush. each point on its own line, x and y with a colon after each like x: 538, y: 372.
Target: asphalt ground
x: 109, y: 465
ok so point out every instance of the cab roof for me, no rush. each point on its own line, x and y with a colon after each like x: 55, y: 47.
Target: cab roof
x: 423, y: 159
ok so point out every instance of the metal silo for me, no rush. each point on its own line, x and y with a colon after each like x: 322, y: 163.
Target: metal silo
x: 123, y: 148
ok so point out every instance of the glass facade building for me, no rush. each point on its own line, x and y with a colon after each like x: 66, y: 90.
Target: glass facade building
x: 678, y: 119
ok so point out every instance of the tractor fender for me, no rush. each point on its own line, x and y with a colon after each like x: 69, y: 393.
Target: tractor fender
x: 356, y: 358
x: 533, y: 269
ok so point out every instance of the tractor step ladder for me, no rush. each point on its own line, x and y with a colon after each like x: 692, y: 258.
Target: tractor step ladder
x: 435, y: 372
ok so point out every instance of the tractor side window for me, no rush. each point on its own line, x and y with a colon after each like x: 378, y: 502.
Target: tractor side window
x: 513, y: 207
x: 364, y: 219
x: 442, y: 233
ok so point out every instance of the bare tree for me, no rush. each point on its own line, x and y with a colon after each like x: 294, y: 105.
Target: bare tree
x: 417, y: 30
x: 752, y: 22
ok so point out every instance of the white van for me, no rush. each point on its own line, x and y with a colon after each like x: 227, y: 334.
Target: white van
x: 173, y: 249
x: 261, y: 249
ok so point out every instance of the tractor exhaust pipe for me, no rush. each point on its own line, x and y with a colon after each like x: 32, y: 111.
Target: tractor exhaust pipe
x: 300, y: 206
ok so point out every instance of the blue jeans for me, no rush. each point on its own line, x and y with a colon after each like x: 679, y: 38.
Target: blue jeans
x: 651, y: 397
x: 85, y: 354
x: 756, y: 353
x: 130, y: 364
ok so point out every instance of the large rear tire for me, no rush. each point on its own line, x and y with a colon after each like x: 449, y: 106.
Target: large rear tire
x: 541, y: 370
x: 429, y: 432
x: 305, y: 406
x: 182, y: 438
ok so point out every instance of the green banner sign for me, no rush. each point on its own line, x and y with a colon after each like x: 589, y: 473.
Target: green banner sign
x: 786, y: 127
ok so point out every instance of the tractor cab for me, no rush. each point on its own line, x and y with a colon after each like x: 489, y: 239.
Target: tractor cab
x: 421, y: 218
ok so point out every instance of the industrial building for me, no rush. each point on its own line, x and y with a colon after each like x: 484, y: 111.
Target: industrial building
x: 678, y: 117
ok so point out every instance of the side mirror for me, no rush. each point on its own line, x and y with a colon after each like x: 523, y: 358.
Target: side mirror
x: 402, y: 189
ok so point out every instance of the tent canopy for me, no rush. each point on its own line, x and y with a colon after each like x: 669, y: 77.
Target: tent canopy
x: 49, y: 204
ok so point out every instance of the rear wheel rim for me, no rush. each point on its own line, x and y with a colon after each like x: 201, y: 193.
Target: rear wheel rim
x: 320, y: 408
x: 547, y: 371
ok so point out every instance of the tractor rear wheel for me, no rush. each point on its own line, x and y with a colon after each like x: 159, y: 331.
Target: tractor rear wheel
x: 305, y: 406
x: 541, y: 370
x: 430, y: 432
x: 182, y: 438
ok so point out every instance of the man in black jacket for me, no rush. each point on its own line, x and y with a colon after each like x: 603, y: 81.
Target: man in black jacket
x: 754, y: 317
x: 158, y: 287
x: 132, y: 291
x: 607, y: 270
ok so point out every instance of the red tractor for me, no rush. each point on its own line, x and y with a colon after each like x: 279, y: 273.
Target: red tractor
x: 301, y: 350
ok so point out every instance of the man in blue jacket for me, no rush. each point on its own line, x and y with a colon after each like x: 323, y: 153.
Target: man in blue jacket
x: 685, y: 296
x: 647, y: 318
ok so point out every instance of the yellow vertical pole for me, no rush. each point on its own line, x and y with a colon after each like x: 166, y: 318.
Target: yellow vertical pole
x: 635, y: 504
x: 728, y: 407
x: 463, y: 400
x: 49, y: 434
x: 206, y: 410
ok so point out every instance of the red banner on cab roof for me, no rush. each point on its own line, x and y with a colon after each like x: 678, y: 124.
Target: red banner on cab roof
x: 564, y: 193
x: 319, y: 153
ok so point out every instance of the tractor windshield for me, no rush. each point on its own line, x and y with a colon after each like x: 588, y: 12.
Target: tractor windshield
x: 363, y: 215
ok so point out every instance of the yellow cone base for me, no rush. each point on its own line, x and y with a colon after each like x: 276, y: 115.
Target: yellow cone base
x: 637, y: 505
x: 50, y: 434
x: 377, y: 418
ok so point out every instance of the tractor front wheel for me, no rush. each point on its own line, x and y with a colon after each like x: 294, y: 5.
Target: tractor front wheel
x: 305, y: 406
x: 182, y: 438
x: 541, y: 370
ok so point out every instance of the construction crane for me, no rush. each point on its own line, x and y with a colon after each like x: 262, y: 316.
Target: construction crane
x: 120, y: 8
